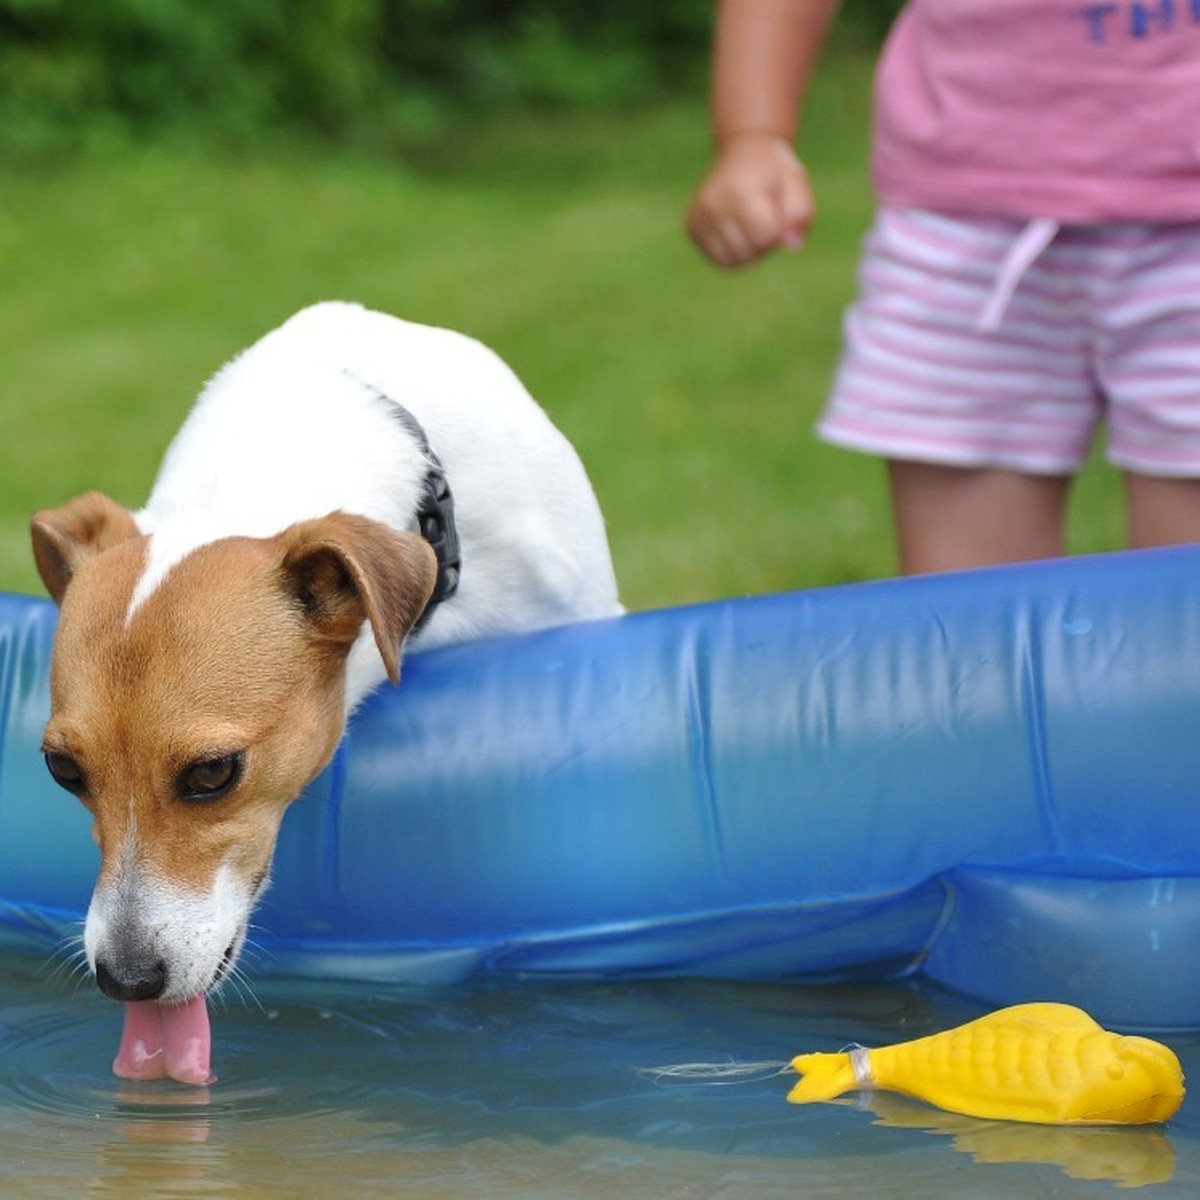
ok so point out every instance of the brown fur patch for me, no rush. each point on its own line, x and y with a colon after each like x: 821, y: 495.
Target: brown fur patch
x: 223, y: 657
x: 64, y: 537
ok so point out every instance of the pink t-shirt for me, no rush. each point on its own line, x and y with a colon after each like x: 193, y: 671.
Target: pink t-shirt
x: 1081, y: 112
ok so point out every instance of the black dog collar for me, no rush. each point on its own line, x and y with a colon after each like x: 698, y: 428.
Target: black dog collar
x: 435, y: 518
x: 435, y: 509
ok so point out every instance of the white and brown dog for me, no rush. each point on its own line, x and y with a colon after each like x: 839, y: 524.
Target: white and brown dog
x: 349, y: 482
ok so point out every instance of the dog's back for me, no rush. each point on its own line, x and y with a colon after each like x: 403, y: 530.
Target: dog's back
x: 304, y: 423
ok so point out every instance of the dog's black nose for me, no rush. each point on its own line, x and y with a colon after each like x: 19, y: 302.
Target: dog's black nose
x: 137, y: 981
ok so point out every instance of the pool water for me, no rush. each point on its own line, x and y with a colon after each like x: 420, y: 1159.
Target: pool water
x: 538, y: 1090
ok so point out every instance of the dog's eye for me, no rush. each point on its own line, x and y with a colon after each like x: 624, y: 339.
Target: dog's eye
x: 211, y: 778
x: 66, y: 772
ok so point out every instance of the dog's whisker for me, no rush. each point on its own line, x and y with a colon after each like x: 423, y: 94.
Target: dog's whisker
x: 253, y: 954
x: 67, y: 972
x: 237, y: 983
x: 252, y: 951
x: 67, y: 965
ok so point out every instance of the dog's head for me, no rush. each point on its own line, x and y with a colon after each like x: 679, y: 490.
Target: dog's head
x: 188, y: 714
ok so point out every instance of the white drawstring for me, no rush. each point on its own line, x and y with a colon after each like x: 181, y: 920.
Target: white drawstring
x: 1022, y: 254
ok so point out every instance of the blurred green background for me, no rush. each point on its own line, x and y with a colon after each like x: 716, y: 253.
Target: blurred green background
x: 180, y: 175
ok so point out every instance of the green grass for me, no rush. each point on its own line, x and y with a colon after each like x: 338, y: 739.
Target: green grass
x: 691, y: 393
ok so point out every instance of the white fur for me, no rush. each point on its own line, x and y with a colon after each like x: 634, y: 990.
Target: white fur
x: 152, y: 918
x: 292, y: 429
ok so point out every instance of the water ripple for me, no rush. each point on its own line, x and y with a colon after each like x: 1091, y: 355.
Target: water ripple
x: 369, y: 1092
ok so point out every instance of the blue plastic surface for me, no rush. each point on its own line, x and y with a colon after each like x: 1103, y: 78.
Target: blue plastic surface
x: 993, y: 777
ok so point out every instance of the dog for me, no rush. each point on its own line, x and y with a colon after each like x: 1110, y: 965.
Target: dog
x: 349, y: 485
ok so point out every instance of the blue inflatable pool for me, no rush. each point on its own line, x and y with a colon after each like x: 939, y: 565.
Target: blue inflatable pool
x: 992, y: 778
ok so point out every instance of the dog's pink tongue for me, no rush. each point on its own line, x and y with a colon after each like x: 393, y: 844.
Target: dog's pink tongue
x: 163, y: 1041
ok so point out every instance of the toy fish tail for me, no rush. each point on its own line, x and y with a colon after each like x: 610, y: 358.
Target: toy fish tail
x: 826, y: 1076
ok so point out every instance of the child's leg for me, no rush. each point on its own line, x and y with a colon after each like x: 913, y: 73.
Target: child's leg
x: 950, y: 518
x: 1162, y: 511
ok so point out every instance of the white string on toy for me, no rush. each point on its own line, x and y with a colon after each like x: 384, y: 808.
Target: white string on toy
x: 715, y: 1074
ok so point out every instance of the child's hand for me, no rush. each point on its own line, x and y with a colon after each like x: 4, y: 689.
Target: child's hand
x: 756, y: 197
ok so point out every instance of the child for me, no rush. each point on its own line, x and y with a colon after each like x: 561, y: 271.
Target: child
x: 1034, y: 266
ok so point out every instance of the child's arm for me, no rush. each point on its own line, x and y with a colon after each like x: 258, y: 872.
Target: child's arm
x: 757, y: 195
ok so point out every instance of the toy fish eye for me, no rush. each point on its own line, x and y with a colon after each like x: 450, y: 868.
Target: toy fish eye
x: 210, y: 778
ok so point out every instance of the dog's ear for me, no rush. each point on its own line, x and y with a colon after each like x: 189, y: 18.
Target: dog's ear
x: 64, y: 537
x: 344, y: 569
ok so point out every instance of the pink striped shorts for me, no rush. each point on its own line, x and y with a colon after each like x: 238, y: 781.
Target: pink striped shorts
x: 996, y: 343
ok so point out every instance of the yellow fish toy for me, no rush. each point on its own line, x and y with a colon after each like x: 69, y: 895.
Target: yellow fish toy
x: 1047, y: 1063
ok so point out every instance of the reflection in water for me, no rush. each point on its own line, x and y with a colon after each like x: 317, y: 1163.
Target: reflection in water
x: 1128, y: 1157
x: 516, y: 1092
